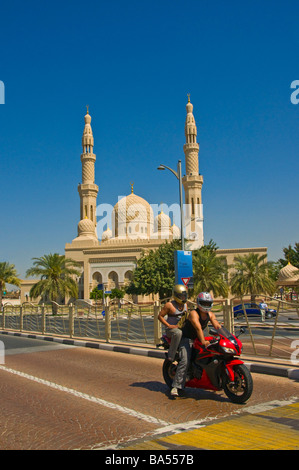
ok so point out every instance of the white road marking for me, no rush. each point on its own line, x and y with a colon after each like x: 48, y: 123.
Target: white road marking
x: 85, y: 396
x: 165, y: 427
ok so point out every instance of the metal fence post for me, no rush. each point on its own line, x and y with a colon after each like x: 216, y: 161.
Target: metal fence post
x: 3, y: 318
x: 231, y: 313
x: 274, y: 329
x: 228, y: 316
x: 71, y: 320
x: 225, y: 315
x: 43, y: 319
x: 248, y: 326
x: 21, y: 317
x: 107, y: 324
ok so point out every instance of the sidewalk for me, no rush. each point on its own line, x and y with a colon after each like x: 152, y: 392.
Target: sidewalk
x: 256, y: 364
x: 273, y: 428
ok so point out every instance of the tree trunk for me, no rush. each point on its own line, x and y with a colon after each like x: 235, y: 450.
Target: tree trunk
x: 54, y: 308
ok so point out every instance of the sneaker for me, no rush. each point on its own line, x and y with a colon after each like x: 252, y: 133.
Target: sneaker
x: 174, y: 392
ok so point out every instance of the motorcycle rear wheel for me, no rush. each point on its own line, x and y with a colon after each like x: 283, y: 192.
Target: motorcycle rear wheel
x: 169, y: 370
x: 241, y: 389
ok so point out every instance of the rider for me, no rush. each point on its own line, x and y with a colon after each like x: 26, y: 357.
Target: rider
x: 174, y: 311
x: 196, y: 322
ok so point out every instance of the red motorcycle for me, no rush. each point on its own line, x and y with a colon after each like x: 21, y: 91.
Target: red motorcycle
x: 215, y: 367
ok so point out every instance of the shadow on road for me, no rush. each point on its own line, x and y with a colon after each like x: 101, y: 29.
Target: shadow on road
x: 193, y: 393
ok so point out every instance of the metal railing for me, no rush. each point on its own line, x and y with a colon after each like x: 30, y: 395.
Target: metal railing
x: 275, y: 335
x: 130, y: 323
x: 125, y: 322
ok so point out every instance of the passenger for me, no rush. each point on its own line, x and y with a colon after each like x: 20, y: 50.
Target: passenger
x: 174, y: 310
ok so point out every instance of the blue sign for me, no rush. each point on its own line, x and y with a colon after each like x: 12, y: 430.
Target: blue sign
x: 183, y: 268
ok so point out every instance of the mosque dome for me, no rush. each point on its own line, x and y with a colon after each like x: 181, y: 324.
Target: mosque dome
x: 107, y: 234
x: 176, y: 232
x: 288, y: 276
x: 162, y: 223
x: 86, y: 227
x: 132, y: 215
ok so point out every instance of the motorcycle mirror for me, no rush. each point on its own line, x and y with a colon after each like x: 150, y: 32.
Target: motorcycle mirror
x: 242, y: 330
x: 213, y: 331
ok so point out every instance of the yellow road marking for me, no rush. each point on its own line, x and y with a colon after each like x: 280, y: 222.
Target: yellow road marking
x: 274, y: 429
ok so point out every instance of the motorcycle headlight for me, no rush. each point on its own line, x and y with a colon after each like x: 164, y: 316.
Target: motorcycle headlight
x: 228, y: 350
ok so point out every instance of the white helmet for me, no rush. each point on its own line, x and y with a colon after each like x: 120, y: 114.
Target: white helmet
x: 204, y: 301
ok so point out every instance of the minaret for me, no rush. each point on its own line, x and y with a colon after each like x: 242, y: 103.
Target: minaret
x: 88, y: 190
x: 192, y: 182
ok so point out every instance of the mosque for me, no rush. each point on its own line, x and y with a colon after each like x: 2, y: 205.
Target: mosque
x: 134, y: 226
x: 110, y: 257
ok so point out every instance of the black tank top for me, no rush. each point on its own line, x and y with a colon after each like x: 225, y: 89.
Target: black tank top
x: 188, y: 329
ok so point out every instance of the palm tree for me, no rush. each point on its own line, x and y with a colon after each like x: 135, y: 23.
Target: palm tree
x: 252, y: 276
x: 210, y: 271
x: 56, y: 277
x: 8, y: 274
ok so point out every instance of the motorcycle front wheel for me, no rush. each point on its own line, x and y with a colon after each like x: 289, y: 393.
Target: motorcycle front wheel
x: 169, y: 370
x: 240, y: 390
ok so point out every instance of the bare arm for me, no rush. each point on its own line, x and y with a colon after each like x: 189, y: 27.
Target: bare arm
x: 166, y: 310
x: 214, y: 322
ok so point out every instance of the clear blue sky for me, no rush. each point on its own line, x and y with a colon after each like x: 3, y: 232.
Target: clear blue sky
x: 133, y: 62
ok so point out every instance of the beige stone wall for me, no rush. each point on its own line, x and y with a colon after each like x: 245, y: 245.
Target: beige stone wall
x: 26, y: 285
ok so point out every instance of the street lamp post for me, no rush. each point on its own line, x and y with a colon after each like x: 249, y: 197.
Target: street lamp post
x: 178, y: 175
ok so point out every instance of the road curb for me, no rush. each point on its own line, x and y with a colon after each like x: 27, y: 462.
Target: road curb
x: 281, y: 371
x: 259, y: 368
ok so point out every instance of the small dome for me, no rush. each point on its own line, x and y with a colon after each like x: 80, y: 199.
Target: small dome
x: 87, y: 118
x: 288, y: 275
x: 176, y: 231
x: 107, y: 234
x: 86, y: 226
x: 189, y: 106
x: 162, y: 222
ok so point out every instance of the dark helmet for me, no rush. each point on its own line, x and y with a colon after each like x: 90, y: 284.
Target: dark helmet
x: 180, y: 293
x: 205, y: 301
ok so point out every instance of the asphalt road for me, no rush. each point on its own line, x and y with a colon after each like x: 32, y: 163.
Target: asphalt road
x: 60, y: 397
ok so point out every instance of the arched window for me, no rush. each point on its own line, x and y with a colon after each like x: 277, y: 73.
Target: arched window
x: 112, y: 280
